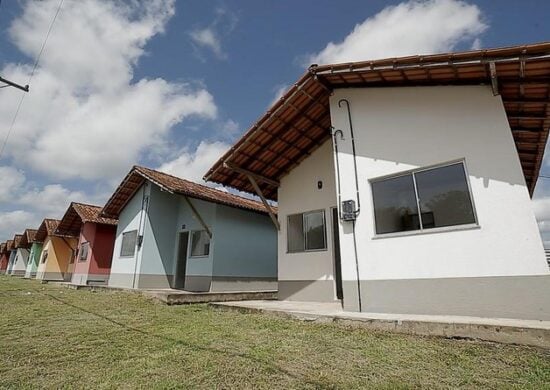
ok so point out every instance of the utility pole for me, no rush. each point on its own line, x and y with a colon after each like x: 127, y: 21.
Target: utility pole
x: 15, y: 85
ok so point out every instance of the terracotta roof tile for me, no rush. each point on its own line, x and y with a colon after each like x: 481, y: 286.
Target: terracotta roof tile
x: 17, y: 240
x: 79, y: 213
x: 47, y: 228
x: 28, y: 238
x: 9, y: 245
x: 136, y: 177
x: 299, y: 122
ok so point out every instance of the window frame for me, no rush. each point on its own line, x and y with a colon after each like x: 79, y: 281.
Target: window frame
x: 303, y: 214
x: 80, y: 259
x: 412, y: 172
x: 135, y: 244
x: 190, y: 251
x: 44, y: 257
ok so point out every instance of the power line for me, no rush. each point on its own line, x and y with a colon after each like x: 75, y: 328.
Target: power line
x: 30, y: 78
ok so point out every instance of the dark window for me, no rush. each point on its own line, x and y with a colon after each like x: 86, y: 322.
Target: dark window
x: 395, y: 205
x: 128, y: 247
x: 441, y: 193
x: 84, y: 248
x: 306, y: 232
x: 295, y: 233
x: 200, y: 243
x: 44, y: 256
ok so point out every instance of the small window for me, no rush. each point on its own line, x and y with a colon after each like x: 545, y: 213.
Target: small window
x: 128, y: 247
x: 84, y: 248
x: 200, y: 243
x: 44, y: 257
x: 423, y: 199
x: 306, y: 232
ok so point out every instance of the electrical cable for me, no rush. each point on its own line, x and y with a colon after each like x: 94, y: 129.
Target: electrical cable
x: 30, y: 78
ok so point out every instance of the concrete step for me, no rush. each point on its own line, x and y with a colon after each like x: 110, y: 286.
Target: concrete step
x: 501, y: 330
x: 178, y: 297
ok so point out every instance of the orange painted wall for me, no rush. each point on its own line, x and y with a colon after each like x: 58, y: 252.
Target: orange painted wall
x: 58, y: 263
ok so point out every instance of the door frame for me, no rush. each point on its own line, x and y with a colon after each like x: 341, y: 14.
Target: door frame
x: 179, y: 263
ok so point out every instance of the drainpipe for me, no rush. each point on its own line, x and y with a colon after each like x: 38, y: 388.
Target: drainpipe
x: 350, y: 212
x: 141, y: 229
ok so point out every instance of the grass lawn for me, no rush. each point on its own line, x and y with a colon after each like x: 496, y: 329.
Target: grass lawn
x: 53, y: 337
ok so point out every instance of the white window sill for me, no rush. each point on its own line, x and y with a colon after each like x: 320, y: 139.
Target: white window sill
x: 427, y: 231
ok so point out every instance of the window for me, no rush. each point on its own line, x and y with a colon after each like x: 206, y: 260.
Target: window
x: 44, y: 256
x: 84, y: 248
x: 200, y: 243
x: 306, y: 232
x: 128, y: 247
x: 441, y: 194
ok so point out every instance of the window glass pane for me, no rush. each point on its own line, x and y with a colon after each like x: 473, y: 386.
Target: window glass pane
x: 295, y: 233
x: 44, y: 256
x: 315, y: 230
x: 395, y: 208
x: 444, y: 197
x: 128, y: 246
x: 84, y: 251
x: 200, y: 244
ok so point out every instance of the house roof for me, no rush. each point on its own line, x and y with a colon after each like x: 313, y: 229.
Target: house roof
x: 17, y: 241
x: 299, y: 121
x: 138, y: 175
x: 9, y: 245
x: 47, y: 228
x: 3, y: 248
x: 28, y: 238
x: 79, y: 213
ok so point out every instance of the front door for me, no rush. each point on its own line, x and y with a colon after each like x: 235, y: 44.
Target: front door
x: 336, y: 254
x: 179, y: 277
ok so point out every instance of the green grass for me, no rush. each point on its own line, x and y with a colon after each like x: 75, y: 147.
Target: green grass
x: 53, y: 337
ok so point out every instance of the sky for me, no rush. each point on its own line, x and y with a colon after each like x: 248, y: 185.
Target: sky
x: 172, y: 84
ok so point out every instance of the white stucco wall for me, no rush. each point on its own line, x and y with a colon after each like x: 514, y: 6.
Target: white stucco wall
x: 397, y: 129
x: 123, y: 268
x: 20, y: 262
x: 298, y: 193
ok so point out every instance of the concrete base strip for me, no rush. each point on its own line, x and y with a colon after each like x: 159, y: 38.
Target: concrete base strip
x: 175, y: 297
x: 501, y: 330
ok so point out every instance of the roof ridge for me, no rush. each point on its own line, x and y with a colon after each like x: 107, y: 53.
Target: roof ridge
x: 199, y: 184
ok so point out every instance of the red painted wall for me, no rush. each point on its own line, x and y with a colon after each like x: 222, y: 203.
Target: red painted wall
x: 102, y: 242
x: 4, y: 259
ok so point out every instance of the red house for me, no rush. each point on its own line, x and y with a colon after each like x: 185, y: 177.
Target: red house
x: 96, y: 238
x: 4, y: 257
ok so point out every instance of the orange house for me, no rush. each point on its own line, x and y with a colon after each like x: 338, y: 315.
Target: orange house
x: 58, y: 253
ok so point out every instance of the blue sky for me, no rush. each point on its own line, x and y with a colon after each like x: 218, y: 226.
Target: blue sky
x: 171, y: 84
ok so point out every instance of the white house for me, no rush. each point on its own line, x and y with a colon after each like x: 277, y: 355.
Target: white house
x: 403, y: 185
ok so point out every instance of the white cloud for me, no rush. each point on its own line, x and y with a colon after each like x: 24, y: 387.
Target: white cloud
x: 52, y: 200
x: 413, y: 27
x: 86, y: 116
x: 11, y: 182
x: 279, y: 91
x: 208, y: 38
x: 211, y: 37
x: 230, y: 128
x: 476, y: 44
x: 192, y: 165
x: 15, y: 222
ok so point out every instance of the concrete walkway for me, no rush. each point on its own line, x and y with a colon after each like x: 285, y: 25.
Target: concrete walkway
x: 503, y: 330
x: 178, y: 297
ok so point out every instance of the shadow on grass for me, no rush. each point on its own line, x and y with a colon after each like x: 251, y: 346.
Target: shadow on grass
x: 192, y: 346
